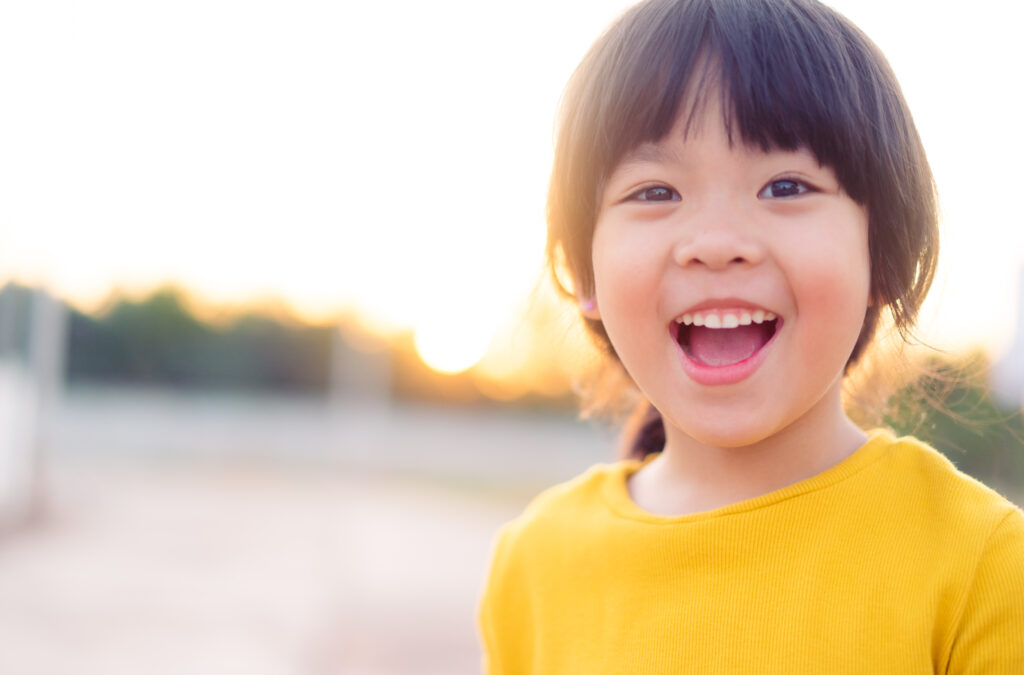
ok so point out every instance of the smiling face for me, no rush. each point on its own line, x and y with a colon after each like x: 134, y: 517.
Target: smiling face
x: 732, y: 283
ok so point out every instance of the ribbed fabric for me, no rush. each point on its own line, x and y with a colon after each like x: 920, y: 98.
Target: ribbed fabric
x: 889, y: 562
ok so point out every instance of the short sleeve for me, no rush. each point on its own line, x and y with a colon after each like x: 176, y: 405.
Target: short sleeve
x: 990, y: 634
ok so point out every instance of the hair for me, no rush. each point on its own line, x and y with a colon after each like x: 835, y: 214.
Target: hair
x: 791, y: 74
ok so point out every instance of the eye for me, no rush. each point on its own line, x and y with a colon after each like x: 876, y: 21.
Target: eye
x: 654, y: 193
x: 784, y: 187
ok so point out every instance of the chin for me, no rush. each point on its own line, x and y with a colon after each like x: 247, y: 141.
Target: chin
x: 722, y: 435
x: 730, y: 441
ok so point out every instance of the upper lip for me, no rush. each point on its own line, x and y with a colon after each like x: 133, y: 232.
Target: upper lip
x: 723, y: 304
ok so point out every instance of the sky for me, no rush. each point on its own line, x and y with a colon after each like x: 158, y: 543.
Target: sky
x: 392, y: 158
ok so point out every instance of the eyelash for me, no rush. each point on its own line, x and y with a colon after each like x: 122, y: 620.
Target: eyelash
x: 802, y: 188
x: 639, y: 195
x: 642, y: 195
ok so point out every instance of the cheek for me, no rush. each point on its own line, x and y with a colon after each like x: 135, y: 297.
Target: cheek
x: 625, y: 274
x: 833, y: 288
x: 841, y: 285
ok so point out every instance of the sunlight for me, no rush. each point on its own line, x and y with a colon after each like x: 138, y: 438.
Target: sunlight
x: 452, y: 341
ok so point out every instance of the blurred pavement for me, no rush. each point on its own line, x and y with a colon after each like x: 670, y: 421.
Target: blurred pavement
x: 186, y: 534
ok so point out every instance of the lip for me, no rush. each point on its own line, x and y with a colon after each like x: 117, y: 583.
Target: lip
x: 732, y: 373
x: 724, y: 304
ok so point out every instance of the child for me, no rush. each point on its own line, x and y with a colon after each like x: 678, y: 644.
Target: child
x: 738, y: 195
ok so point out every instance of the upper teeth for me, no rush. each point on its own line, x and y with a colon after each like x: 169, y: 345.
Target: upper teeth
x: 715, y: 319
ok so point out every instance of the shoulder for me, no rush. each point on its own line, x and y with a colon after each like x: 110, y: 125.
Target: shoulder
x: 556, y: 524
x: 576, y: 492
x: 567, y: 506
x: 928, y: 483
x: 913, y: 503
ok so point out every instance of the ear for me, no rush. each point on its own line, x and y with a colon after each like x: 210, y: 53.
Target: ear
x: 588, y: 308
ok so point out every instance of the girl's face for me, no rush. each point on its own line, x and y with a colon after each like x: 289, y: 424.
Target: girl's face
x: 732, y: 283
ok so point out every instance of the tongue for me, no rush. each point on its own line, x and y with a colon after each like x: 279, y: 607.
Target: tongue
x: 725, y: 346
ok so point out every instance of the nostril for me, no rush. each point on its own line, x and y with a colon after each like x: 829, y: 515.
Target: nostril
x: 717, y: 249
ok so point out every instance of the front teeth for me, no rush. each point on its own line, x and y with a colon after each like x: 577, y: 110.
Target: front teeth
x: 726, y: 319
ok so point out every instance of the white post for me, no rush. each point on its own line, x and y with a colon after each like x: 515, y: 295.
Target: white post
x: 29, y: 389
x: 362, y: 374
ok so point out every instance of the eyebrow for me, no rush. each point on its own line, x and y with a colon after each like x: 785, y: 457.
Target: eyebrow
x: 656, y: 153
x: 648, y: 153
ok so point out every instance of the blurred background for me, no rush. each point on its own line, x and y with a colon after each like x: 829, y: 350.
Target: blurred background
x: 275, y: 356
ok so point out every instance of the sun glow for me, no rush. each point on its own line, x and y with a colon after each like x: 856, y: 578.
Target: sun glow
x: 452, y: 342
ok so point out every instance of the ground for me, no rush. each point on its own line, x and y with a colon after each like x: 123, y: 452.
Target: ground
x: 222, y: 535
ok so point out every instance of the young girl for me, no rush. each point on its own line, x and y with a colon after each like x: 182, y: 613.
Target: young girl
x: 738, y: 195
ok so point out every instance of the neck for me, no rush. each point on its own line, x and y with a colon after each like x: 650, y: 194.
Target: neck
x: 691, y: 476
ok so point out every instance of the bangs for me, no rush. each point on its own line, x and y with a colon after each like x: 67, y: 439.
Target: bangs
x: 790, y: 75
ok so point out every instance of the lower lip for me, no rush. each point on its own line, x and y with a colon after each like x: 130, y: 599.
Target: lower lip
x: 730, y: 374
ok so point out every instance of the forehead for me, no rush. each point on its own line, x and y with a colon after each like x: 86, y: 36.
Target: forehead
x: 700, y: 127
x: 704, y: 113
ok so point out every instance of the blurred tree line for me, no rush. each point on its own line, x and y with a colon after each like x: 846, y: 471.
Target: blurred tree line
x: 158, y: 340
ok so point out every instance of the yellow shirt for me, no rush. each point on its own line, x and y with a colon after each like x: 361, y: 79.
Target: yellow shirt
x: 889, y: 562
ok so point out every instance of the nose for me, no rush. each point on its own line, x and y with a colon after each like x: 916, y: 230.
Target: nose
x: 718, y: 241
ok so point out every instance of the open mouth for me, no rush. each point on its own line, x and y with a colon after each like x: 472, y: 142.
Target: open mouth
x: 715, y: 341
